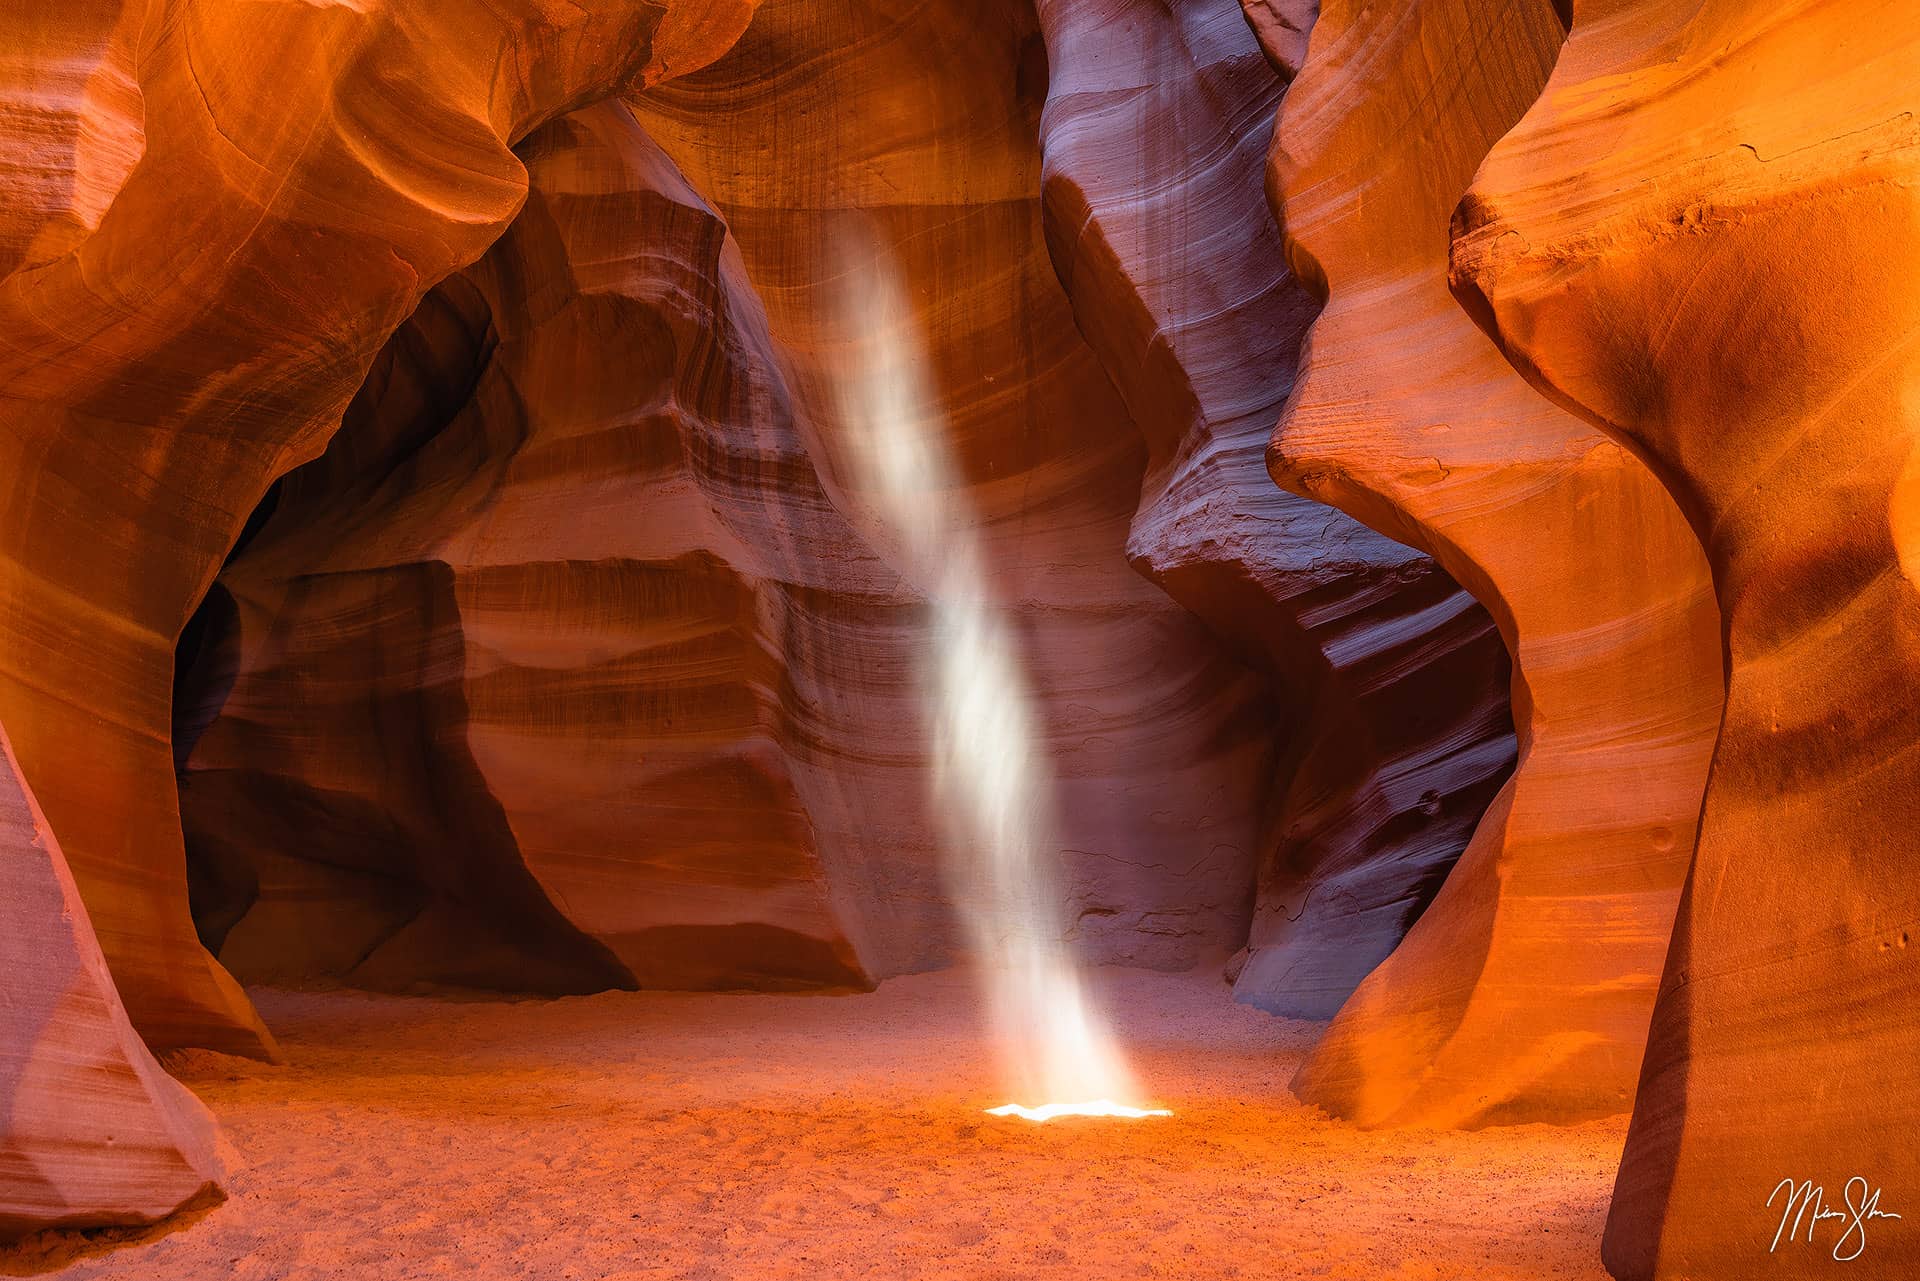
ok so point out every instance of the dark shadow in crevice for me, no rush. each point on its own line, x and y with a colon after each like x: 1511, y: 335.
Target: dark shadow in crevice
x: 337, y: 825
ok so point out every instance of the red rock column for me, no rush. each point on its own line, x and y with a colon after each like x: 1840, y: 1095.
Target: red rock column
x: 1524, y: 992
x: 1705, y: 237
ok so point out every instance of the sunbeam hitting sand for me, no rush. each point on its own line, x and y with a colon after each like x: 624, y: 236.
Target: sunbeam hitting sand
x: 991, y: 781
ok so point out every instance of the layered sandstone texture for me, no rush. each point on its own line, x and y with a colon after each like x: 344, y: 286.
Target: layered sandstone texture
x: 559, y: 670
x: 1154, y: 141
x: 216, y: 216
x: 92, y: 1131
x: 1525, y: 990
x: 1705, y: 237
x: 910, y: 132
x: 633, y: 662
x: 576, y: 661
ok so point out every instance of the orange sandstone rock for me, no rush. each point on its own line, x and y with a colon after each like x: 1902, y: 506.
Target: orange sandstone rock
x: 1154, y: 139
x: 92, y: 1131
x: 1524, y: 992
x: 627, y: 642
x: 915, y: 125
x: 71, y: 123
x: 559, y: 670
x: 1703, y: 238
x: 249, y: 215
x: 588, y: 514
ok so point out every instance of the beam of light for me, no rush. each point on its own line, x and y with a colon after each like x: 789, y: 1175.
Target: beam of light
x: 991, y: 782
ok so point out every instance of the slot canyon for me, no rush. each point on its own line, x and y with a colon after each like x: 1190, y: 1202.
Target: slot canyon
x: 652, y: 639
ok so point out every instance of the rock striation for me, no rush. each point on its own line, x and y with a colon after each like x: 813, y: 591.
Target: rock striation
x: 1282, y: 28
x: 93, y: 1132
x: 558, y: 670
x: 680, y: 732
x: 1525, y: 990
x: 912, y: 131
x: 1154, y: 142
x: 429, y: 550
x: 1702, y: 238
x: 216, y: 216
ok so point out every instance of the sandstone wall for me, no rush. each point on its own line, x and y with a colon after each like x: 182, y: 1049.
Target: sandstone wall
x: 559, y: 670
x: 251, y: 214
x: 1524, y: 992
x: 1154, y: 143
x: 1702, y: 238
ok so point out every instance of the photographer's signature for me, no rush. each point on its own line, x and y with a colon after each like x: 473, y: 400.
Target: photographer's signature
x: 1804, y: 1205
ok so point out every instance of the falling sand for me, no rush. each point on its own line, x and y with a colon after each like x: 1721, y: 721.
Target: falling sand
x: 649, y: 1135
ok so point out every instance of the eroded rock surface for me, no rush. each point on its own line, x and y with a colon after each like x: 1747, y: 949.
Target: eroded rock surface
x: 1282, y: 27
x: 1155, y: 136
x: 559, y: 670
x: 1703, y: 238
x: 1524, y: 992
x: 588, y: 512
x: 93, y: 1132
x: 913, y: 128
x: 695, y: 730
x: 251, y: 213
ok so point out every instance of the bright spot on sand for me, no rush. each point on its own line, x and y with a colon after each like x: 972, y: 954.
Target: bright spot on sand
x: 1099, y: 1107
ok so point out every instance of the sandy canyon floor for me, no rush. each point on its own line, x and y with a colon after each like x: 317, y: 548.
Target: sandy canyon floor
x: 655, y: 1135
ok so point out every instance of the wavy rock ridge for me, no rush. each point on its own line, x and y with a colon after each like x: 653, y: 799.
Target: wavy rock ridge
x: 168, y: 351
x: 1154, y: 140
x: 215, y: 217
x: 1614, y: 244
x: 567, y: 655
x: 1524, y: 992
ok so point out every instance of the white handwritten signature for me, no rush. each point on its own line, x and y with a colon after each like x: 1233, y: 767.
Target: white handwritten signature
x: 1806, y: 1203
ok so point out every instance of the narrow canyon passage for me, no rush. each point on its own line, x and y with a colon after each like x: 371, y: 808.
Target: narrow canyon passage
x: 1417, y: 605
x: 667, y: 1135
